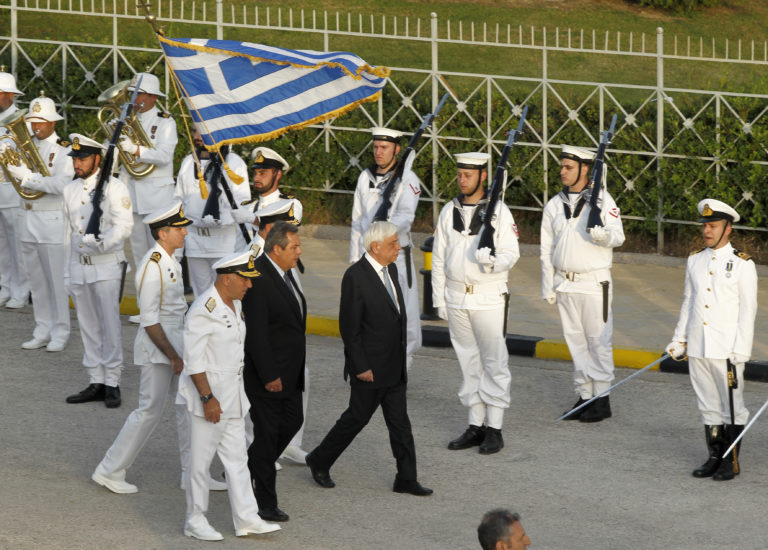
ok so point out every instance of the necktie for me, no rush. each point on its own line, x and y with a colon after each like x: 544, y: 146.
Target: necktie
x: 389, y: 288
x: 289, y: 281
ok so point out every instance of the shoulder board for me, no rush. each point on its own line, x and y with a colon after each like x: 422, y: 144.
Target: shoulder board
x: 155, y: 257
x: 743, y: 255
x: 210, y: 305
x: 255, y: 249
x: 63, y: 142
x: 246, y: 203
x: 164, y: 115
x: 695, y: 251
x: 286, y: 196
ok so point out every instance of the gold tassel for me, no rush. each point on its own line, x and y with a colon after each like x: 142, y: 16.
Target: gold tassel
x: 234, y: 178
x: 203, y: 187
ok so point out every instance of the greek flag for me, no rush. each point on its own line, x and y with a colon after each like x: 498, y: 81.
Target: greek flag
x: 241, y: 92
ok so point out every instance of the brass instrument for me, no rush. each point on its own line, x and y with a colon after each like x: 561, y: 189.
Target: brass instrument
x: 114, y: 98
x: 23, y: 151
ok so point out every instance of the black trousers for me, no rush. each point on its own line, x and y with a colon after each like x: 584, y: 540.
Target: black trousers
x: 363, y: 402
x: 275, y: 422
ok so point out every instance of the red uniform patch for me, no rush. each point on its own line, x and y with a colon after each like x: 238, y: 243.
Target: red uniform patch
x: 514, y: 228
x: 614, y: 212
x: 415, y: 190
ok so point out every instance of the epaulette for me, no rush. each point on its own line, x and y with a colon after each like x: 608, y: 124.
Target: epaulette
x: 743, y: 255
x: 155, y: 257
x: 246, y: 203
x: 210, y: 305
x: 164, y: 115
x: 695, y: 251
x: 286, y: 196
x: 63, y: 142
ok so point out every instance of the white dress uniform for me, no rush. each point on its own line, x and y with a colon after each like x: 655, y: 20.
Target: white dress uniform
x: 94, y: 273
x: 572, y: 267
x: 405, y: 199
x: 205, y: 245
x: 155, y: 190
x: 476, y: 304
x: 13, y: 278
x: 43, y: 233
x: 214, y: 337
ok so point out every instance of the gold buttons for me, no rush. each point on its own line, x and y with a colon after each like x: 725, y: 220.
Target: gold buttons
x: 709, y: 290
x: 706, y: 306
x: 705, y: 322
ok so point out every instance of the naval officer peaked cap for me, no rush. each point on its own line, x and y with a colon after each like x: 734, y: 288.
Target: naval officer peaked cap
x: 150, y: 84
x: 83, y: 146
x: 385, y: 134
x: 43, y: 108
x: 8, y: 84
x: 713, y: 209
x: 475, y: 160
x: 264, y: 157
x: 168, y: 216
x: 577, y: 153
x: 240, y: 263
x: 281, y: 210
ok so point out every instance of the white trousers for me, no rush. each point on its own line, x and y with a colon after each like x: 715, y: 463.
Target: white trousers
x: 589, y: 340
x: 141, y: 238
x: 158, y: 386
x: 227, y: 439
x: 98, y: 314
x: 412, y: 312
x: 481, y: 349
x: 201, y: 274
x: 13, y: 277
x: 709, y: 378
x: 45, y: 265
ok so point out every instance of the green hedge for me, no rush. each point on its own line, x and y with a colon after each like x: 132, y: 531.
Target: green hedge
x: 678, y: 5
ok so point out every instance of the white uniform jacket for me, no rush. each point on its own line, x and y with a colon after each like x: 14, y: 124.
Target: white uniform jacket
x: 157, y: 188
x: 9, y: 198
x: 458, y: 280
x: 570, y: 259
x: 211, y: 242
x: 43, y: 219
x: 717, y: 317
x: 90, y: 264
x: 405, y: 199
x: 160, y: 293
x: 214, y: 339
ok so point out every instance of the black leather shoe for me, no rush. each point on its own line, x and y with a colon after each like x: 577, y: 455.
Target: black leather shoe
x: 321, y: 476
x: 273, y: 514
x: 577, y: 415
x: 94, y: 392
x: 112, y: 396
x: 472, y: 437
x: 492, y: 443
x: 715, y: 446
x: 411, y: 487
x: 599, y: 410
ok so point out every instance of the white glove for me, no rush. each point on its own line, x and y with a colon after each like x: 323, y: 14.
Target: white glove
x: 551, y: 299
x: 442, y: 312
x: 600, y: 235
x: 68, y: 285
x: 18, y: 172
x: 738, y: 359
x: 243, y: 215
x: 676, y: 350
x: 128, y: 146
x: 484, y: 258
x: 409, y: 162
x: 210, y: 221
x: 91, y: 242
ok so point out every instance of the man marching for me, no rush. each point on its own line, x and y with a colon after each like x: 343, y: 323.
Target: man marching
x: 715, y: 329
x: 576, y: 274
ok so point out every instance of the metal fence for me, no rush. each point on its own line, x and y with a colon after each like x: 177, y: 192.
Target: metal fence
x: 661, y: 132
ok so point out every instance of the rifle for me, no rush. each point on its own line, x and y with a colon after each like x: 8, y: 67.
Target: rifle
x: 94, y: 222
x: 211, y: 205
x: 595, y: 179
x: 499, y: 177
x: 382, y: 214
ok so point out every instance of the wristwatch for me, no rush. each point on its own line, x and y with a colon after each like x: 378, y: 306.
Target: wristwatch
x: 206, y: 398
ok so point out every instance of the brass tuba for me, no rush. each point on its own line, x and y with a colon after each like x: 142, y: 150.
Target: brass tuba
x: 23, y: 151
x: 114, y: 98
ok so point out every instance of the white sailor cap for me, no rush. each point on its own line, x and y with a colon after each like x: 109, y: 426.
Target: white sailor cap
x: 150, y: 84
x: 83, y: 146
x: 474, y: 160
x: 168, y: 216
x: 713, y: 209
x: 8, y: 84
x: 577, y: 153
x: 264, y: 157
x: 281, y: 210
x: 240, y: 263
x: 385, y: 134
x: 43, y: 108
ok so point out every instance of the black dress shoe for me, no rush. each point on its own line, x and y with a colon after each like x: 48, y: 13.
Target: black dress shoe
x: 577, y: 415
x: 492, y: 443
x: 112, y: 396
x: 94, y: 392
x: 412, y: 487
x: 321, y: 476
x: 599, y: 410
x: 472, y: 437
x: 273, y: 514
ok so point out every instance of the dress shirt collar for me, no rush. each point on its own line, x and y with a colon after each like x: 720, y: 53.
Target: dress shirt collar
x: 277, y: 267
x: 376, y: 265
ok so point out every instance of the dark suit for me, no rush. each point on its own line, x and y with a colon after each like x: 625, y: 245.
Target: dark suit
x: 275, y: 347
x: 374, y: 334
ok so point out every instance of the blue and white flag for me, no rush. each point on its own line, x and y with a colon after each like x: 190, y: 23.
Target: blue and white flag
x: 241, y: 92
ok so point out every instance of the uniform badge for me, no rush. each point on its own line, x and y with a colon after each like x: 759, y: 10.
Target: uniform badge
x: 155, y: 257
x: 514, y: 228
x: 153, y: 131
x: 210, y: 305
x: 50, y: 159
x: 36, y: 108
x: 614, y: 212
x: 259, y: 158
x: 126, y: 202
x: 416, y: 191
x: 706, y: 211
x: 729, y: 268
x: 76, y: 144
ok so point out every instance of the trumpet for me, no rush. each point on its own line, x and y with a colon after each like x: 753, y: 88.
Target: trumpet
x: 114, y: 98
x: 23, y: 151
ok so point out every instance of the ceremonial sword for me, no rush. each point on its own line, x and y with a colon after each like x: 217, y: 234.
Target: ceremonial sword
x: 746, y: 428
x: 627, y: 379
